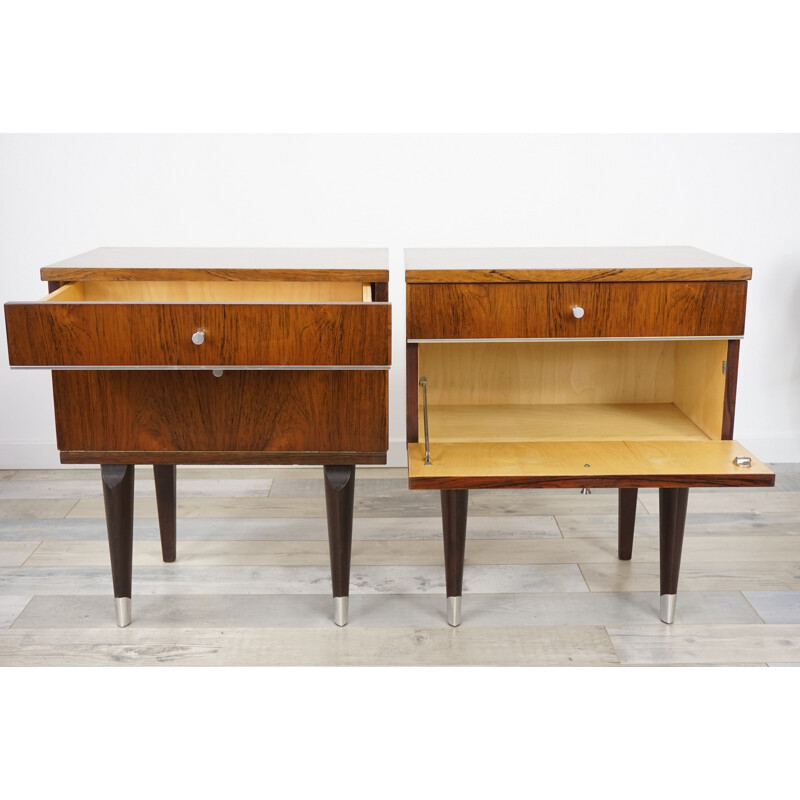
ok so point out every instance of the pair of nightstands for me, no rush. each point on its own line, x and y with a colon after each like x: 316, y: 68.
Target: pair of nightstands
x: 525, y: 368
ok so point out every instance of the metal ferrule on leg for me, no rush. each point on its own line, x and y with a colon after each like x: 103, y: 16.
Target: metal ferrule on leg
x: 122, y: 605
x: 668, y: 608
x: 454, y: 611
x: 341, y: 610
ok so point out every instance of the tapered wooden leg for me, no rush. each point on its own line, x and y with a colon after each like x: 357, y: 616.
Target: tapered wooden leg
x: 166, y: 479
x: 454, y: 526
x: 626, y: 522
x: 339, y: 486
x: 671, y: 522
x: 118, y: 495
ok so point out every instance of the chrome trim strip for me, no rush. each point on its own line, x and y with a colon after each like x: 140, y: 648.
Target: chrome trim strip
x: 210, y: 368
x: 56, y: 302
x: 584, y: 339
x: 423, y: 382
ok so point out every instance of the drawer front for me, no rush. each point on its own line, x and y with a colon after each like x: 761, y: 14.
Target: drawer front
x: 545, y: 310
x: 246, y: 411
x: 53, y: 334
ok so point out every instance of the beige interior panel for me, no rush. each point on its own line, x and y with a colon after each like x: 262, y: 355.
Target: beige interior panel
x: 585, y: 459
x: 485, y: 391
x: 569, y: 422
x: 67, y: 292
x: 548, y: 372
x: 700, y: 383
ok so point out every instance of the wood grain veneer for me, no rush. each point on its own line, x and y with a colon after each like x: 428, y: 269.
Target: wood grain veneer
x: 380, y: 292
x: 578, y: 275
x: 72, y: 334
x: 216, y: 457
x: 66, y: 274
x: 544, y: 310
x: 183, y: 412
x: 608, y: 261
x: 412, y: 392
x: 731, y: 376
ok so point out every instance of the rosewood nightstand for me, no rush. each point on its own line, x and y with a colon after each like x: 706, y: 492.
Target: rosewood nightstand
x: 213, y: 356
x: 574, y: 368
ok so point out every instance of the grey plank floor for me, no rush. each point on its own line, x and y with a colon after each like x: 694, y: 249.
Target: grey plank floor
x: 251, y: 585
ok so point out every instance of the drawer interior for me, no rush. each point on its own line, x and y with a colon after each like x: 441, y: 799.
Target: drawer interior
x: 213, y: 292
x: 574, y: 391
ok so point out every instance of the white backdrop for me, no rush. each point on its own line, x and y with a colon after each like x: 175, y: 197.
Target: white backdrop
x: 734, y: 195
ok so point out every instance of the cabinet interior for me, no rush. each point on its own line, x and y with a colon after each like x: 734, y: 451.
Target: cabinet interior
x: 659, y: 390
x: 213, y: 292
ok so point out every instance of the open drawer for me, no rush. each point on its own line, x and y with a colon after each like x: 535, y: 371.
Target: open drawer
x: 286, y: 318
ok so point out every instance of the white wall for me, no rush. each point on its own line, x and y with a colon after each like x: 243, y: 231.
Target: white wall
x: 737, y: 196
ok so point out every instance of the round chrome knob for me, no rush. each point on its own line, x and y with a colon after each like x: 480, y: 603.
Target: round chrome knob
x: 198, y: 337
x: 577, y: 312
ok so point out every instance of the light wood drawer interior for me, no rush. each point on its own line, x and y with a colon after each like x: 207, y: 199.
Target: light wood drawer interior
x: 213, y: 292
x: 551, y: 391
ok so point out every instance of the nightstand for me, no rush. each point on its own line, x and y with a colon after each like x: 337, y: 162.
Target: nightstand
x: 574, y: 368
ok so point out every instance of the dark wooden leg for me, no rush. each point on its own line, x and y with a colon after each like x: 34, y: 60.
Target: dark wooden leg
x: 118, y: 495
x: 166, y: 478
x: 339, y: 485
x: 671, y: 522
x: 454, y: 526
x: 626, y: 522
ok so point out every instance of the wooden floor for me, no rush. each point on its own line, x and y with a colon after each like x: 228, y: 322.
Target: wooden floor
x: 251, y: 585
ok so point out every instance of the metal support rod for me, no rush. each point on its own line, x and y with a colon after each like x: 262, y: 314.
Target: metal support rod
x: 423, y: 382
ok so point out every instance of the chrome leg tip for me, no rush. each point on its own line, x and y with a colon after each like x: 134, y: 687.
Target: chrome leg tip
x: 341, y: 609
x: 668, y: 608
x: 122, y: 605
x: 454, y: 611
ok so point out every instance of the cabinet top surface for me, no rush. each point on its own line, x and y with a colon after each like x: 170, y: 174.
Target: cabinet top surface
x: 231, y: 263
x: 508, y: 264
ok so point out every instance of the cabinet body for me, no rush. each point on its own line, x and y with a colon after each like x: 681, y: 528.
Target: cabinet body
x: 213, y: 356
x: 574, y: 368
x: 289, y: 367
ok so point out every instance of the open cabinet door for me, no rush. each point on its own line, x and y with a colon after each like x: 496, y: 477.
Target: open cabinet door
x: 621, y: 464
